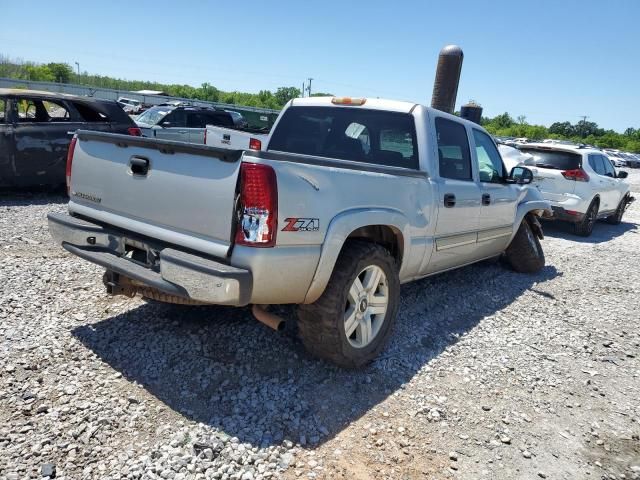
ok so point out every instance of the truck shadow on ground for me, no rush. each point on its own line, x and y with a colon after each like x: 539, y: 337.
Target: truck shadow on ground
x: 219, y: 366
x: 602, y: 231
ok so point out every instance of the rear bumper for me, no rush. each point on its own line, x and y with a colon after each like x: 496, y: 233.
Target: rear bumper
x: 169, y: 270
x: 560, y: 213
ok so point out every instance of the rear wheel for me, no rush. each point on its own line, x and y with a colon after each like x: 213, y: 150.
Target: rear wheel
x: 351, y: 322
x: 525, y: 254
x: 585, y: 227
x: 616, y: 218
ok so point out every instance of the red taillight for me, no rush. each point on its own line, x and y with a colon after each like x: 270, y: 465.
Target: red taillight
x: 258, y: 206
x: 255, y: 144
x: 578, y: 175
x: 72, y: 147
x: 135, y: 131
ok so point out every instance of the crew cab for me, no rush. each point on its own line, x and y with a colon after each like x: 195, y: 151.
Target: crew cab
x: 36, y: 129
x: 349, y: 199
x: 581, y: 184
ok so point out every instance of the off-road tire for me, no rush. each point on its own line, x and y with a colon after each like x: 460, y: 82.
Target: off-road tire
x: 321, y: 324
x: 524, y: 254
x: 585, y: 227
x: 616, y: 218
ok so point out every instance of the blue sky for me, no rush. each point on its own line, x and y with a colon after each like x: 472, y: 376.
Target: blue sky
x: 548, y: 60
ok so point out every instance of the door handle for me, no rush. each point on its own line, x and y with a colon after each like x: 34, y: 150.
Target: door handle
x: 139, y: 166
x: 449, y: 200
x: 486, y: 199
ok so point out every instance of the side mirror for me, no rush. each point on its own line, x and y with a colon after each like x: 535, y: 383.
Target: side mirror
x: 622, y: 174
x: 520, y: 175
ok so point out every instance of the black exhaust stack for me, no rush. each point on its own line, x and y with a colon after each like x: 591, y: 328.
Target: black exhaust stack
x: 471, y: 111
x: 445, y: 86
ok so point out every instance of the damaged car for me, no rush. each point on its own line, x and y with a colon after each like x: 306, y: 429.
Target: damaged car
x: 37, y: 127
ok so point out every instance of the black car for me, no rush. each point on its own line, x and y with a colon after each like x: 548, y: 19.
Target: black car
x: 36, y: 129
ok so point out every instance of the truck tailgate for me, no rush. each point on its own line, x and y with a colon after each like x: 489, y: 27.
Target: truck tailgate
x: 172, y: 191
x: 229, y: 138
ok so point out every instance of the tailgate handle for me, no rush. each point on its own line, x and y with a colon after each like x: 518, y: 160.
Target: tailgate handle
x: 139, y: 165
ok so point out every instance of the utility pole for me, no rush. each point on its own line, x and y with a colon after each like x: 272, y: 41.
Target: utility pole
x: 78, y: 65
x: 309, y: 86
x: 302, y: 90
x: 584, y: 120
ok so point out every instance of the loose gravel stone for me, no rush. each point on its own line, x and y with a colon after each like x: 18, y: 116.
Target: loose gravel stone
x: 111, y: 387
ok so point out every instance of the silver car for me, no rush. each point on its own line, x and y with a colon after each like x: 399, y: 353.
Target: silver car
x: 183, y: 123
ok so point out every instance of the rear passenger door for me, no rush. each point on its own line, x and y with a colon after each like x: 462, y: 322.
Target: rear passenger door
x: 173, y: 127
x: 458, y: 198
x: 499, y: 199
x: 614, y: 192
x: 602, y: 185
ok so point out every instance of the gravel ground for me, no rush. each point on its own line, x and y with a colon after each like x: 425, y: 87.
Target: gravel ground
x: 490, y: 374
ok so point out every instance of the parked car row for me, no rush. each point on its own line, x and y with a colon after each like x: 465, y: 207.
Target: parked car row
x: 131, y: 106
x: 581, y: 183
x: 623, y: 159
x: 619, y: 159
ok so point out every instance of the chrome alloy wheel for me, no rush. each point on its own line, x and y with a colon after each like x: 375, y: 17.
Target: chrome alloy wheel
x: 366, y: 306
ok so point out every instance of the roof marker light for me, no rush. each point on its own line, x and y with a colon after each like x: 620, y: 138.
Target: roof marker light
x: 348, y: 101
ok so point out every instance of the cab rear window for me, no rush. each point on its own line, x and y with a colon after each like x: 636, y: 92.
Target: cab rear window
x: 356, y: 134
x: 554, y: 159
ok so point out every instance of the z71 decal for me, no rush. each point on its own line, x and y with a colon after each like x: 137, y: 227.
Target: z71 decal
x: 301, y: 225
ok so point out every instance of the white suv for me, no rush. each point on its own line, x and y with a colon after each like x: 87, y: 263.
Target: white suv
x: 581, y: 184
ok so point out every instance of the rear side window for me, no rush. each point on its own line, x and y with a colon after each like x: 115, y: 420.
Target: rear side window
x: 596, y: 162
x: 454, y: 158
x: 56, y: 111
x: 3, y: 110
x: 555, y: 159
x: 89, y: 114
x: 177, y: 118
x: 196, y: 120
x: 221, y: 119
x: 347, y: 133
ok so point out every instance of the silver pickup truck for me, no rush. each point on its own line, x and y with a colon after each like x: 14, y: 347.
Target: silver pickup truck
x: 350, y: 199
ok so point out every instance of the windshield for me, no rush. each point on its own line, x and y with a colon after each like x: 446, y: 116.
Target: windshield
x: 554, y: 159
x: 154, y: 115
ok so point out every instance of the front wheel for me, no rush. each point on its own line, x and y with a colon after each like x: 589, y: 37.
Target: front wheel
x: 352, y: 320
x: 524, y: 253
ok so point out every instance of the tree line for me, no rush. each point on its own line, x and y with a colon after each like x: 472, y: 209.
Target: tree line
x: 501, y: 125
x: 64, y: 73
x: 580, y: 132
